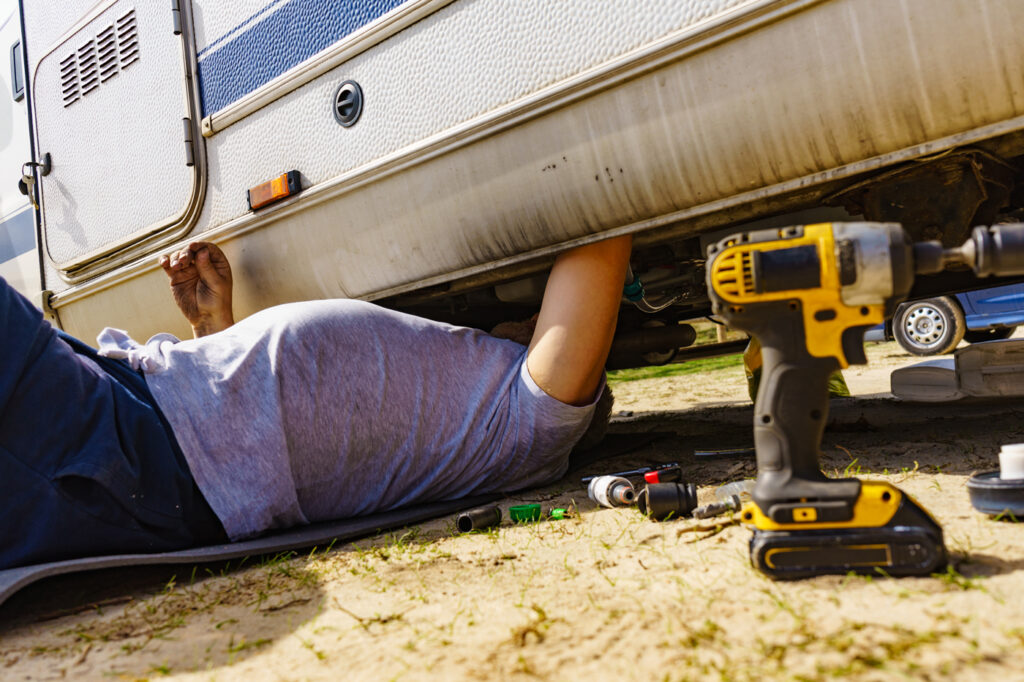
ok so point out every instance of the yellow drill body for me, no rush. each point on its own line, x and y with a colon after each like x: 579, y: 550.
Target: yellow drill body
x: 732, y: 279
x: 808, y: 293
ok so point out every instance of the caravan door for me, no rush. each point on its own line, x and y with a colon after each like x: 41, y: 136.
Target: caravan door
x: 114, y: 107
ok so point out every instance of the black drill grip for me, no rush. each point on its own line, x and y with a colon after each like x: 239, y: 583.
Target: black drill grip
x: 790, y: 415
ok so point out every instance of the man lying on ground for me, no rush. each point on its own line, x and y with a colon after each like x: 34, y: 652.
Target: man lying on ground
x: 299, y: 413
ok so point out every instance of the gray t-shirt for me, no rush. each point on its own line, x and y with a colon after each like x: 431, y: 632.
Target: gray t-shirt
x: 331, y: 409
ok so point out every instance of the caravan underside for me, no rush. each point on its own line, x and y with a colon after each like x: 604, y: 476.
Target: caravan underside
x: 494, y: 135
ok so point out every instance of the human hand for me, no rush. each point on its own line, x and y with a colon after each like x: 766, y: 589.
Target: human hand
x: 521, y: 331
x: 200, y: 279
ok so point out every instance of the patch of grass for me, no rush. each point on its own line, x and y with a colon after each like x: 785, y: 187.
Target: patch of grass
x: 954, y: 580
x: 852, y: 469
x: 620, y: 376
x: 537, y: 627
x: 1006, y: 515
x: 320, y: 656
x: 706, y: 634
x: 366, y: 621
x: 243, y: 644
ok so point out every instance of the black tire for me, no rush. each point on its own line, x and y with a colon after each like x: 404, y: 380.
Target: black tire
x: 933, y: 326
x: 658, y: 358
x: 997, y: 334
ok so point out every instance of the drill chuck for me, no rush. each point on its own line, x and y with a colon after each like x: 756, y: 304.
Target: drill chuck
x: 997, y: 250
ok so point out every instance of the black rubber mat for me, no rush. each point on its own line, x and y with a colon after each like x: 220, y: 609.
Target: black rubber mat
x: 319, y: 534
x: 303, y: 537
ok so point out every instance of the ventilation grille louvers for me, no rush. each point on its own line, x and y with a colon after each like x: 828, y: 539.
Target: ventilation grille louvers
x: 128, y: 39
x: 99, y: 59
x: 735, y: 274
x: 106, y: 49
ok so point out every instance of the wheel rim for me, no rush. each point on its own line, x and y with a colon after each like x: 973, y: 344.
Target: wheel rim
x: 925, y: 326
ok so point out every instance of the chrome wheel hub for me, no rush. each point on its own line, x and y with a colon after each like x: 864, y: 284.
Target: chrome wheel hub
x: 925, y: 325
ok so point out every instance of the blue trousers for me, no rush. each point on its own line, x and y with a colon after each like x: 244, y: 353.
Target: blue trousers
x: 88, y: 464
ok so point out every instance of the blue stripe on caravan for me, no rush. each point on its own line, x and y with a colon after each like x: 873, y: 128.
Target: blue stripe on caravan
x: 17, y: 235
x: 284, y: 38
x: 216, y: 43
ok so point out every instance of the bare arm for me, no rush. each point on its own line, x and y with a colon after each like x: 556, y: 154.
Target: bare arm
x: 577, y: 320
x: 200, y: 280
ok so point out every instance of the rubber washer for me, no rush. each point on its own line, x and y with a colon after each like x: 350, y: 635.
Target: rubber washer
x: 993, y: 495
x: 524, y: 513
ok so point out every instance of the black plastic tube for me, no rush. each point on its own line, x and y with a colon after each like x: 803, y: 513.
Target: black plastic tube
x: 477, y: 519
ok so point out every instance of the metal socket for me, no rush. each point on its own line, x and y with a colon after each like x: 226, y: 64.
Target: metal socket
x: 661, y: 501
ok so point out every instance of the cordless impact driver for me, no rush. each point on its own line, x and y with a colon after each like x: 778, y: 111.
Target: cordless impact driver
x: 808, y: 294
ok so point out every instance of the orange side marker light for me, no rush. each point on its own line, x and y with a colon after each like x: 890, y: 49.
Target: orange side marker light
x: 284, y: 185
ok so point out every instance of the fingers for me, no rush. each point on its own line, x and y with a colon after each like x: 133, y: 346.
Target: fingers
x: 208, y: 260
x: 203, y: 264
x: 174, y: 265
x: 176, y: 260
x: 209, y: 246
x: 183, y: 258
x: 212, y: 264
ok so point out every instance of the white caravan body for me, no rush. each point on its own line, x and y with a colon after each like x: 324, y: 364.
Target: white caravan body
x: 493, y: 134
x: 19, y: 261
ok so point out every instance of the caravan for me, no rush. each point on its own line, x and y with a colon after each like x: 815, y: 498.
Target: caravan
x: 434, y: 155
x: 19, y: 262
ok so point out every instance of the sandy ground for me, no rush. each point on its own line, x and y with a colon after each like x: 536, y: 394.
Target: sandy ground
x: 604, y: 595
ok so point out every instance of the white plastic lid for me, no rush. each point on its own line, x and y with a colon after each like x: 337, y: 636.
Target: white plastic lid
x: 1011, y: 461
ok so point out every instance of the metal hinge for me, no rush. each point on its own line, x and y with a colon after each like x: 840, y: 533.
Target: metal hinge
x: 43, y: 302
x: 176, y: 17
x: 190, y: 156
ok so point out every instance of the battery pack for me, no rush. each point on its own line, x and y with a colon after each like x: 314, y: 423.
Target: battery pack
x: 910, y: 543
